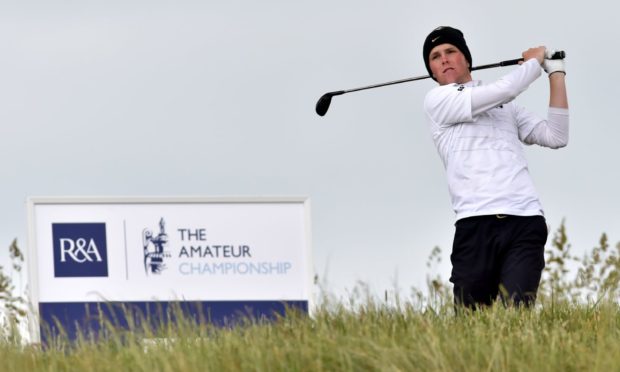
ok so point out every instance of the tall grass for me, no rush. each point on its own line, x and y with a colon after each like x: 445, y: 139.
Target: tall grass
x: 370, y: 337
x: 575, y: 326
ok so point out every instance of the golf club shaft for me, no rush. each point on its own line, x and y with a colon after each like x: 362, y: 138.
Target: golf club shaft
x: 557, y: 55
x: 323, y: 103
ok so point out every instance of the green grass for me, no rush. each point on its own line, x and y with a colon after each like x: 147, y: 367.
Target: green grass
x: 563, y: 337
x: 575, y: 326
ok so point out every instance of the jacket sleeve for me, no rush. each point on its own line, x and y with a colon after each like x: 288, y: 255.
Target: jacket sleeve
x: 505, y: 89
x: 552, y: 133
x: 455, y: 103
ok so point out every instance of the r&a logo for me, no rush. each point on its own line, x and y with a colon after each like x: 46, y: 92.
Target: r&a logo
x: 80, y: 249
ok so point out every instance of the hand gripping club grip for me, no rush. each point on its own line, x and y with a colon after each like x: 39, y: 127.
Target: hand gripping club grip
x: 560, y: 54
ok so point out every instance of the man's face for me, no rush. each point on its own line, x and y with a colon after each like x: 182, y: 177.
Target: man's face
x: 449, y: 65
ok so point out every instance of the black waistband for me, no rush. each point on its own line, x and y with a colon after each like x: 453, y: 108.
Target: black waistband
x: 499, y: 217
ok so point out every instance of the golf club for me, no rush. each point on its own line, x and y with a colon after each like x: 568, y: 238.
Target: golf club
x: 323, y: 103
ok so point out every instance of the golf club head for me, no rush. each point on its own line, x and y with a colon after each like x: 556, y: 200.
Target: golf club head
x: 323, y: 103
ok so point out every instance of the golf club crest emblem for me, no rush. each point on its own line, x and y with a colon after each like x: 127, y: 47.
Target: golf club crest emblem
x: 154, y: 253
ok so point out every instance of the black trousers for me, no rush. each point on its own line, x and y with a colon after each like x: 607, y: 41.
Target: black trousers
x: 498, y: 254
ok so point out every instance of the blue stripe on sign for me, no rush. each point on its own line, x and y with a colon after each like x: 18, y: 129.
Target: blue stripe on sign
x: 69, y: 318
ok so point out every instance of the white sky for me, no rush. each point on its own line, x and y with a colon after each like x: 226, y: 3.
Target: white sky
x: 213, y: 98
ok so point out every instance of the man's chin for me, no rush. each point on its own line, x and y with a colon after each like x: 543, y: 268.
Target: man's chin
x: 454, y: 80
x: 448, y: 82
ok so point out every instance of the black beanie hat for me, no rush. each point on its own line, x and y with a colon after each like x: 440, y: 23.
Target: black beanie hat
x: 442, y: 35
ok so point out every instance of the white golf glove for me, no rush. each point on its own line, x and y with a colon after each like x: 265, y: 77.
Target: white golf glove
x: 553, y: 65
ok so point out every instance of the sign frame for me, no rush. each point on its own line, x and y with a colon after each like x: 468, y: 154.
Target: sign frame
x: 34, y: 295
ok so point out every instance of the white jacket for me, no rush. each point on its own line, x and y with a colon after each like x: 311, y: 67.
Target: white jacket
x: 479, y: 134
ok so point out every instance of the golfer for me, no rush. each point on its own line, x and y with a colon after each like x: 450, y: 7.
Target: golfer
x: 479, y: 133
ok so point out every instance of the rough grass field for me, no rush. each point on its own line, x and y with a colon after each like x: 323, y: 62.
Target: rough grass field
x: 373, y: 337
x: 575, y: 326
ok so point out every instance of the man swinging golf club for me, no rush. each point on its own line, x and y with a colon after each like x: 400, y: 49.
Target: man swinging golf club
x: 479, y: 133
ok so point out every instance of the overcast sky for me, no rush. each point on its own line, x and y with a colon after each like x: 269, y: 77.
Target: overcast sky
x: 216, y: 98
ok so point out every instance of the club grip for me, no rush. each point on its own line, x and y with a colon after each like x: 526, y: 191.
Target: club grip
x: 560, y: 54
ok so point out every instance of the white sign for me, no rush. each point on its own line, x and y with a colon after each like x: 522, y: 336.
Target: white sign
x: 212, y: 251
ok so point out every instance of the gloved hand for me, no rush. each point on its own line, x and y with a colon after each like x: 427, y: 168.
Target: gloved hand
x: 553, y: 65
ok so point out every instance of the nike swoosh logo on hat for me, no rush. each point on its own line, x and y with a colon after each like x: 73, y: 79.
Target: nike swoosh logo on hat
x: 435, y: 39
